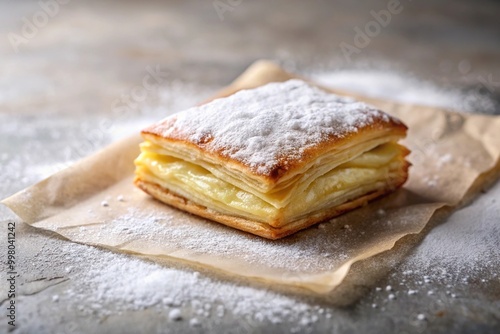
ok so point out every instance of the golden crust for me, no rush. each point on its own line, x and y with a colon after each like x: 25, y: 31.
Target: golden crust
x: 262, y: 229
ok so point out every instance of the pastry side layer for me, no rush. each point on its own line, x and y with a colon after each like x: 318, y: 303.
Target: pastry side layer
x: 365, y: 173
x: 262, y: 229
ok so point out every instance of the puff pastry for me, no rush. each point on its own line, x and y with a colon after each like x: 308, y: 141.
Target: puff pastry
x: 273, y: 160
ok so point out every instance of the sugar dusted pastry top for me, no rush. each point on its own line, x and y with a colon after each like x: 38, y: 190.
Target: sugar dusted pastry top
x: 273, y: 128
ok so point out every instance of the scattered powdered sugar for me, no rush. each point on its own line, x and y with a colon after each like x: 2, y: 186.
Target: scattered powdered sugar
x: 461, y: 251
x: 97, y: 289
x: 161, y: 227
x: 194, y: 322
x: 465, y: 244
x: 431, y: 180
x: 271, y: 126
x: 175, y: 314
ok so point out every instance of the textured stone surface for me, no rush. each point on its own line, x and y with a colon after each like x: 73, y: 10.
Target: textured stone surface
x: 69, y: 78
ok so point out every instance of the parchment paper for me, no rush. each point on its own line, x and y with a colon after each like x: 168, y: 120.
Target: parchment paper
x: 453, y: 157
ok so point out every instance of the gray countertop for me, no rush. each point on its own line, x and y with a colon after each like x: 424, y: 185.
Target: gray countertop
x: 64, y: 74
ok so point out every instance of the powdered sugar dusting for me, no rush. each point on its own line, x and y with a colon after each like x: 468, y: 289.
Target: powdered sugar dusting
x: 163, y: 228
x: 477, y: 230
x: 271, y: 126
x: 106, y: 283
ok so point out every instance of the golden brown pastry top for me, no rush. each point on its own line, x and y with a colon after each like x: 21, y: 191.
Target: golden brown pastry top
x: 274, y: 129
